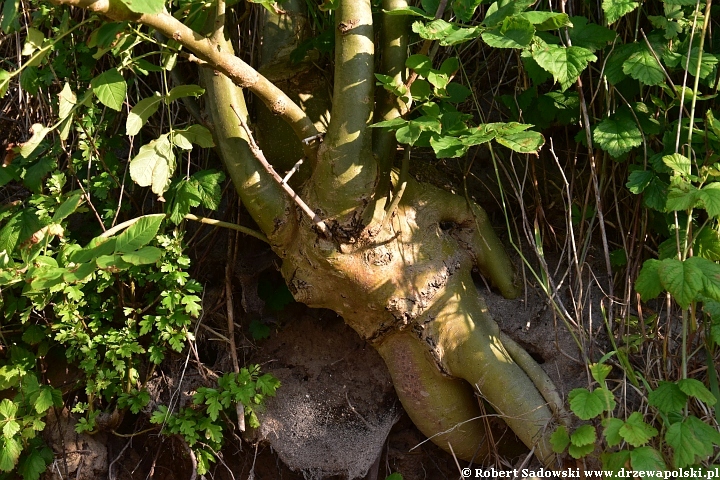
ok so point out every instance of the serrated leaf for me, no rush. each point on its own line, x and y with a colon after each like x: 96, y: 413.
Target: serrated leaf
x: 564, y: 63
x: 110, y: 88
x: 643, y: 67
x: 681, y: 195
x: 544, y: 21
x: 185, y: 197
x: 618, y: 134
x: 616, y: 9
x: 32, y: 465
x: 600, y: 371
x: 447, y: 147
x: 514, y: 32
x: 267, y: 384
x: 194, y: 134
x: 679, y: 164
x: 709, y: 195
x: 583, y: 435
x: 587, y: 405
x: 635, y: 431
x: 33, y: 41
x: 560, y: 439
x: 9, y: 453
x: 589, y: 35
x: 695, y: 388
x: 616, y: 61
x: 667, y: 397
x: 39, y: 131
x: 522, y: 142
x: 707, y: 63
x: 639, y: 180
x: 145, y: 6
x: 183, y: 91
x: 683, y: 280
x: 140, y: 113
x: 498, y: 11
x: 710, y: 276
x: 577, y: 452
x: 612, y: 431
x: 139, y: 233
x: 153, y: 165
x: 686, y: 445
x: 647, y: 459
x: 45, y: 399
x: 10, y: 428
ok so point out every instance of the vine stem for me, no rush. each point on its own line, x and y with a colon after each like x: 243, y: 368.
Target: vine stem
x: 260, y: 157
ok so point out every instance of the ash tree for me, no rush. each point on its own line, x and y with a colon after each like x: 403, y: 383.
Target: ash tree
x: 391, y: 255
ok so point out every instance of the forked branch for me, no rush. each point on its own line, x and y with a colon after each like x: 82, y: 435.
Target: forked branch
x: 207, y: 50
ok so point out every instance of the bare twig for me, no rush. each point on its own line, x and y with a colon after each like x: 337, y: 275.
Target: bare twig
x: 260, y: 157
x: 231, y: 327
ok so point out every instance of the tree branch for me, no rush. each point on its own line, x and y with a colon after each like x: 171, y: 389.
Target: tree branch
x: 208, y: 51
x: 345, y: 173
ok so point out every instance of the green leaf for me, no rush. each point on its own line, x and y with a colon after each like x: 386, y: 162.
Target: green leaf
x: 447, y: 147
x: 140, y: 113
x: 544, y: 21
x: 143, y: 256
x: 420, y: 63
x: 681, y: 195
x: 66, y: 102
x: 267, y: 384
x: 576, y: 451
x: 9, y: 18
x: 39, y: 131
x: 514, y: 32
x: 498, y: 11
x: 565, y: 63
x: 589, y: 35
x: 600, y: 371
x: 683, y: 280
x: 635, y: 431
x: 67, y: 208
x: 612, y: 431
x: 154, y: 165
x: 5, y: 76
x: 408, y: 134
x: 395, y: 122
x: 522, y: 142
x: 618, y: 134
x: 616, y: 9
x: 46, y: 398
x: 707, y: 64
x: 679, y: 164
x: 33, y: 464
x: 647, y: 459
x: 259, y: 330
x: 110, y: 88
x: 614, y: 69
x: 560, y: 439
x: 184, y: 91
x: 639, y: 180
x: 643, y: 67
x: 10, y: 428
x: 686, y: 445
x: 9, y: 453
x: 185, y: 196
x: 587, y: 405
x: 413, y: 11
x: 194, y: 134
x: 139, y: 233
x: 145, y: 6
x: 709, y: 195
x: 583, y: 435
x: 20, y: 228
x: 695, y: 388
x: 667, y: 397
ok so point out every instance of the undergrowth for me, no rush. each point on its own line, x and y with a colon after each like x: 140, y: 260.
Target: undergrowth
x: 95, y: 272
